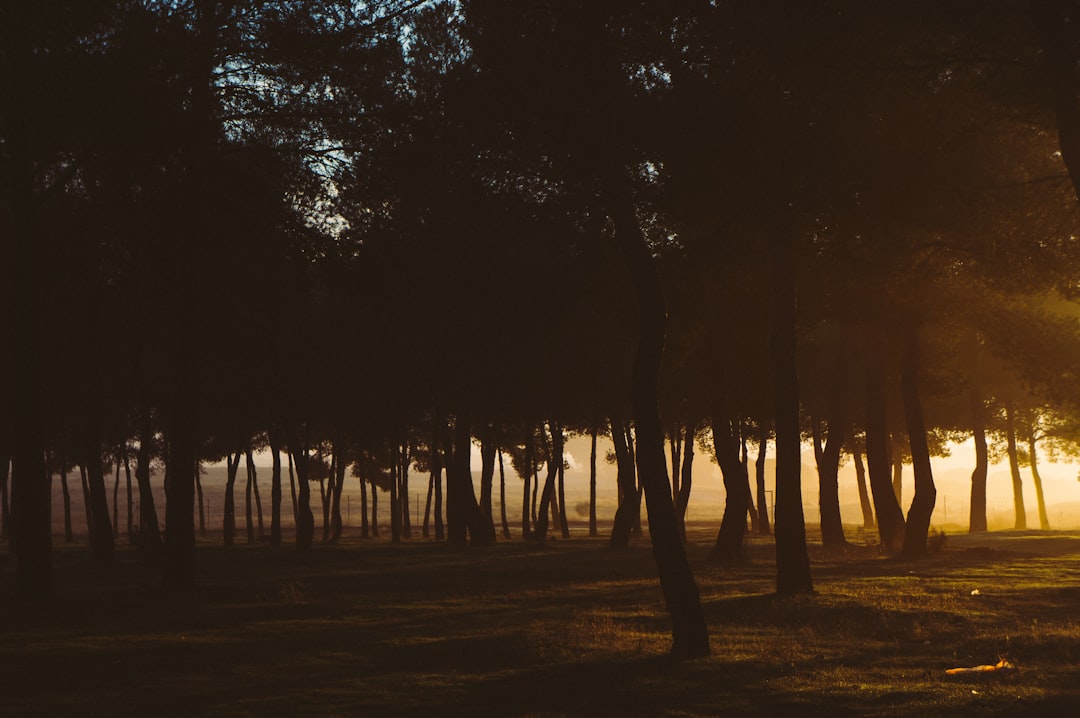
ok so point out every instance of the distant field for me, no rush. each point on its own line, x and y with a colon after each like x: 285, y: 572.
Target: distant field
x: 370, y: 628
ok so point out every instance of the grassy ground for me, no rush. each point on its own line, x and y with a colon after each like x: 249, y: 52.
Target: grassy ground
x: 567, y: 629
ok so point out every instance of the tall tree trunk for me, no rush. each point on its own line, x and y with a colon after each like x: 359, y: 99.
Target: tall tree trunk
x: 116, y: 500
x: 683, y: 499
x: 88, y: 507
x: 977, y: 515
x: 1044, y: 521
x: 31, y: 505
x: 526, y: 481
x: 292, y: 488
x: 502, y: 497
x: 792, y: 559
x: 549, y: 483
x: 1014, y: 469
x: 925, y: 498
x: 69, y: 534
x: 558, y: 453
x: 102, y: 541
x: 249, y: 519
x: 406, y: 459
x: 374, y: 499
x: 275, y: 488
x: 675, y: 444
x: 729, y: 539
x: 130, y: 499
x: 487, y: 478
x: 592, y: 482
x: 890, y: 517
x: 759, y: 474
x: 395, y: 506
x: 340, y: 462
x: 864, y: 496
x: 462, y: 511
x: 744, y: 459
x: 305, y: 520
x: 229, y: 511
x: 178, y: 567
x: 365, y: 530
x: 437, y: 470
x: 199, y: 498
x: 260, y: 529
x: 832, y: 526
x: 690, y: 637
x: 149, y: 531
x: 626, y: 479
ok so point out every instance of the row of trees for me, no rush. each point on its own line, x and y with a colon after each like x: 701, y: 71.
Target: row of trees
x: 492, y: 220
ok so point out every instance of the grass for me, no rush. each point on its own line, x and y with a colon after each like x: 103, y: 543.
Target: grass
x: 566, y: 629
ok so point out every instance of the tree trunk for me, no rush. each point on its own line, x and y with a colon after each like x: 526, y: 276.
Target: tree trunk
x: 977, y: 515
x: 199, y: 499
x: 260, y: 529
x: 549, y: 484
x: 340, y: 462
x: 365, y: 530
x: 832, y: 526
x: 406, y: 459
x: 116, y: 501
x: 437, y: 470
x: 592, y: 483
x: 864, y: 495
x: 675, y: 444
x: 178, y: 569
x: 744, y: 459
x: 682, y: 500
x: 102, y: 541
x: 1014, y: 470
x: 890, y: 518
x: 487, y: 478
x: 925, y: 498
x: 690, y: 637
x: 729, y: 539
x: 792, y: 559
x: 526, y: 480
x: 626, y: 480
x: 275, y: 489
x: 130, y: 499
x: 759, y: 475
x: 395, y: 507
x: 374, y: 499
x: 1056, y: 22
x: 88, y: 508
x: 462, y: 511
x: 229, y: 511
x: 1044, y: 521
x: 249, y: 521
x: 305, y: 520
x: 149, y: 531
x: 502, y: 497
x: 292, y: 488
x: 561, y: 482
x: 31, y: 505
x: 69, y: 534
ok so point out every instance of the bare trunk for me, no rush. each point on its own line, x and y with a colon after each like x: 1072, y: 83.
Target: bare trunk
x: 729, y: 539
x: 627, y: 485
x: 1014, y: 470
x: 759, y: 475
x: 149, y: 531
x: 488, y: 450
x: 102, y: 540
x: 925, y: 498
x: 1044, y: 522
x: 229, y: 511
x: 502, y: 497
x: 592, y: 483
x: 248, y: 485
x: 526, y: 481
x: 977, y: 515
x: 69, y: 534
x: 199, y: 499
x: 864, y: 495
x: 682, y: 500
x: 890, y: 518
x: 275, y: 489
x: 305, y: 520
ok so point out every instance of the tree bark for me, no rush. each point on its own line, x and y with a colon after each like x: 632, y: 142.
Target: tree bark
x: 102, y: 540
x: 682, y: 500
x: 890, y: 518
x: 436, y: 471
x: 199, y: 499
x: 592, y: 483
x: 759, y: 474
x: 626, y: 480
x: 549, y: 484
x: 365, y: 529
x: 69, y: 534
x: 925, y: 498
x: 275, y: 489
x: 462, y: 511
x: 729, y: 539
x: 977, y: 514
x: 559, y: 457
x: 897, y: 471
x: 502, y: 497
x: 488, y: 450
x: 1014, y: 470
x: 832, y: 527
x: 864, y: 496
x: 395, y: 506
x: 406, y: 459
x: 526, y: 480
x: 690, y: 637
x: 229, y: 511
x: 792, y: 559
x: 305, y: 520
x: 340, y: 463
x: 149, y: 531
x: 249, y: 522
x: 1044, y: 521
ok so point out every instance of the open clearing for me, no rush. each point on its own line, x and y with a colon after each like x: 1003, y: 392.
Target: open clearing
x: 571, y: 628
